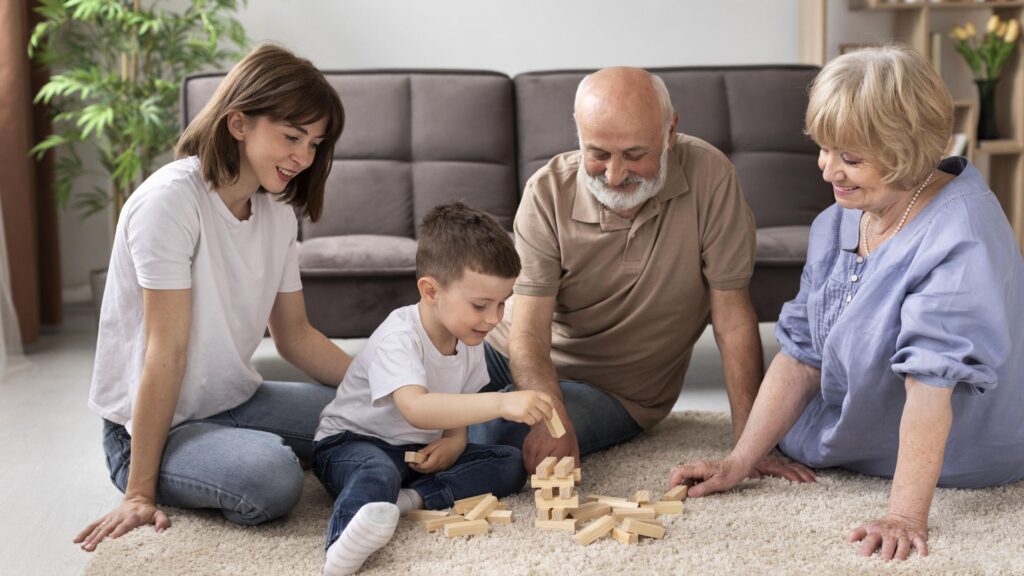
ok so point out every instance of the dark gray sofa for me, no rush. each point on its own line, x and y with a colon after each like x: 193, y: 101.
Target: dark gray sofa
x: 417, y: 138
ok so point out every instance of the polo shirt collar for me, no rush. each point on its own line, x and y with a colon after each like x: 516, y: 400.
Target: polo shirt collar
x: 587, y: 209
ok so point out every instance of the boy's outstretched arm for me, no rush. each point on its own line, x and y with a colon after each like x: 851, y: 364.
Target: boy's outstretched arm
x: 437, y: 411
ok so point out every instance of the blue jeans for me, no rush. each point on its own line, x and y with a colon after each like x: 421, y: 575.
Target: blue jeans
x: 357, y: 470
x: 241, y: 461
x: 599, y: 419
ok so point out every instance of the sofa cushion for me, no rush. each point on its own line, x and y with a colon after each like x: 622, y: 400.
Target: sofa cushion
x: 358, y: 255
x: 782, y: 245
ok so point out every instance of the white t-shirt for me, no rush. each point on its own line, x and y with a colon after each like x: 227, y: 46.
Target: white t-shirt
x: 177, y: 233
x: 399, y: 353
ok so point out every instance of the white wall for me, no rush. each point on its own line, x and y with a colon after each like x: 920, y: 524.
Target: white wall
x: 507, y: 36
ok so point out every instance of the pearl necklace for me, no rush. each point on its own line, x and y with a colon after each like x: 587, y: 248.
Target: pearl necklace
x: 903, y: 219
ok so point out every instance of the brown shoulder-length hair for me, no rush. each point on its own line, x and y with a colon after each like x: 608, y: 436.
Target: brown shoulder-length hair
x: 270, y: 81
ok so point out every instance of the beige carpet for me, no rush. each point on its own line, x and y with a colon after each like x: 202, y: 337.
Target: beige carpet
x: 765, y: 527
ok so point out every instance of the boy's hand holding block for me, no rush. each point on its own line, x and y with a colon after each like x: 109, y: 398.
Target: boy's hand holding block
x: 415, y: 458
x: 554, y: 424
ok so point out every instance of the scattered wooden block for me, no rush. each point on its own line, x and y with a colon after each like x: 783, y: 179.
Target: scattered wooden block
x: 667, y: 507
x: 467, y: 528
x: 567, y: 525
x: 565, y: 467
x: 613, y: 501
x: 500, y: 517
x: 434, y: 524
x: 643, y: 528
x: 483, y: 508
x: 546, y: 467
x: 624, y: 537
x: 501, y: 506
x: 425, y: 514
x: 547, y: 493
x: 538, y: 482
x: 415, y: 457
x: 560, y: 513
x: 573, y: 502
x: 467, y: 504
x: 622, y: 513
x: 595, y: 530
x: 642, y: 496
x: 677, y: 492
x: 590, y: 510
x: 555, y: 426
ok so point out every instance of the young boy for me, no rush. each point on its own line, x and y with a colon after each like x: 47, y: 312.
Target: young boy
x: 413, y: 388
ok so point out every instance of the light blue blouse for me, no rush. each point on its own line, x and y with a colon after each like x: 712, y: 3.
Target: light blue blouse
x: 943, y: 301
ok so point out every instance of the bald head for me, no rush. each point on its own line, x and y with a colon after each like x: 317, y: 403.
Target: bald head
x: 631, y: 95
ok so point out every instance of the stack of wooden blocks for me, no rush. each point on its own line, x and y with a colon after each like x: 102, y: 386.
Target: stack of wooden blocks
x: 626, y: 520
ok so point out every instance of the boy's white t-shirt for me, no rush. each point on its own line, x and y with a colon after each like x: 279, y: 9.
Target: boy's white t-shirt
x: 176, y: 233
x: 399, y: 353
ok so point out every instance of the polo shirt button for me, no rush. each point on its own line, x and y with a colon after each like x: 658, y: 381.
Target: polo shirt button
x: 860, y: 259
x: 849, y: 297
x: 854, y: 277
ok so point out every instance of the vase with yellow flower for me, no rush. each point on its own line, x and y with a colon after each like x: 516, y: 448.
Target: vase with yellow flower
x: 986, y: 58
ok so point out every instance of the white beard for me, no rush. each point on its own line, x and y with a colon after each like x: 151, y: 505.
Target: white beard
x: 620, y: 200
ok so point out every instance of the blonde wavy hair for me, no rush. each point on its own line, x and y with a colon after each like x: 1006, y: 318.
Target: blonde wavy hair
x: 886, y: 103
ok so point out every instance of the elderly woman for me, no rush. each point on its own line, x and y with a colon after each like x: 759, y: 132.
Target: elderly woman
x: 903, y: 354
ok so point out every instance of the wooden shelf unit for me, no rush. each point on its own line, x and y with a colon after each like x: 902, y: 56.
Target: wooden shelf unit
x: 913, y: 25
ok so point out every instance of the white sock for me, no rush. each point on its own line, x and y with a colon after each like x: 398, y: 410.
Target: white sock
x: 369, y: 530
x: 409, y: 499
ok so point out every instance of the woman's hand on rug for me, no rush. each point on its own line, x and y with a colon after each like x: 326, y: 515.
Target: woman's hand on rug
x: 709, y: 476
x: 129, y: 515
x: 441, y: 454
x: 778, y: 465
x: 893, y: 536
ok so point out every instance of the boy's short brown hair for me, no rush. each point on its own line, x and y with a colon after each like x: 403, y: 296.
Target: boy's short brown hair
x: 454, y: 237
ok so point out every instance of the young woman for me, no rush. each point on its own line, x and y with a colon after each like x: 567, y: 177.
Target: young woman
x: 204, y: 260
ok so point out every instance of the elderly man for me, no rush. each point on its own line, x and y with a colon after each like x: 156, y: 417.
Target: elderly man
x: 628, y: 245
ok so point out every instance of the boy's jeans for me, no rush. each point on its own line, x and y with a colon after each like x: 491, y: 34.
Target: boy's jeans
x: 599, y: 419
x: 241, y: 461
x: 358, y: 469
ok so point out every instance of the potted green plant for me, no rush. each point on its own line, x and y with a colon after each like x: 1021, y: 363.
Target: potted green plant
x: 115, y: 70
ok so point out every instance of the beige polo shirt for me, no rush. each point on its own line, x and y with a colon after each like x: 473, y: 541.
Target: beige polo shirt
x: 632, y: 297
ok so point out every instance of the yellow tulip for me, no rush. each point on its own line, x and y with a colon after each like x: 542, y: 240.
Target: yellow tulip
x: 993, y: 23
x: 958, y: 33
x: 1001, y: 30
x: 969, y: 28
x: 1012, y: 32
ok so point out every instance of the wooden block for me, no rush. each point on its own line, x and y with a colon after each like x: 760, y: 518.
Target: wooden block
x: 577, y: 474
x: 546, y: 467
x: 565, y: 467
x: 566, y: 492
x: 426, y: 514
x: 567, y: 525
x: 573, y: 502
x: 667, y: 507
x: 501, y: 506
x: 500, y: 517
x: 642, y: 496
x: 643, y: 528
x: 624, y: 537
x: 613, y: 501
x: 467, y: 504
x: 560, y: 513
x: 544, y: 513
x: 434, y: 524
x: 467, y: 528
x: 538, y: 482
x: 547, y: 493
x: 677, y: 492
x: 653, y: 521
x: 621, y: 513
x: 555, y: 426
x: 595, y: 530
x: 415, y: 457
x: 591, y: 510
x: 483, y: 509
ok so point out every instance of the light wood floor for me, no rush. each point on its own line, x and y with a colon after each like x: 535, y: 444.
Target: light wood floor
x: 53, y: 480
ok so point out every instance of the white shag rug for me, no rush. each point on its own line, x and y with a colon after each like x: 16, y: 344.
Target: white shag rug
x: 764, y: 527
